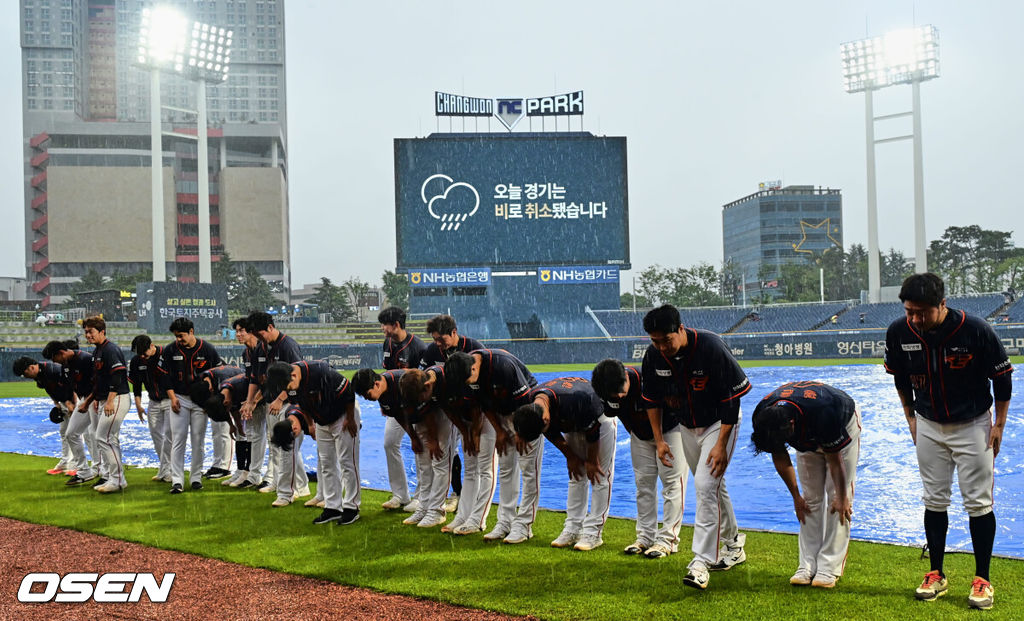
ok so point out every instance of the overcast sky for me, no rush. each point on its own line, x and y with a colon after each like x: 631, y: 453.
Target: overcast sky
x: 713, y: 98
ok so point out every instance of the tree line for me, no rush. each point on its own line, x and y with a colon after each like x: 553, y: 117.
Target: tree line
x: 970, y: 259
x: 247, y: 290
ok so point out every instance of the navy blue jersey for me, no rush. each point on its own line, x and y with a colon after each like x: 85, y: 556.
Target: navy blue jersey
x: 180, y: 366
x: 142, y: 373
x: 110, y: 373
x: 700, y: 385
x: 284, y: 349
x: 433, y: 355
x: 55, y: 381
x: 949, y: 368
x: 323, y: 393
x: 220, y: 374
x: 504, y: 382
x: 573, y: 405
x: 296, y: 411
x: 391, y: 401
x: 632, y: 410
x: 80, y: 370
x: 403, y: 355
x: 238, y: 386
x: 254, y: 361
x: 442, y: 397
x: 822, y: 413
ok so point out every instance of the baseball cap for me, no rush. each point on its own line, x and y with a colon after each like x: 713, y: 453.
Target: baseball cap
x: 56, y: 416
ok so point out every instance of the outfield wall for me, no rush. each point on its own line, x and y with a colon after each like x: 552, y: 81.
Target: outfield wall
x: 792, y: 347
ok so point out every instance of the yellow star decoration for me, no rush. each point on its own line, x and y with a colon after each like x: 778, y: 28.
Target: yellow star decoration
x: 827, y: 223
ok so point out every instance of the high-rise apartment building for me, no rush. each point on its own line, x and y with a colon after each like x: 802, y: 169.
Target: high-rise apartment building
x: 87, y: 144
x: 772, y: 227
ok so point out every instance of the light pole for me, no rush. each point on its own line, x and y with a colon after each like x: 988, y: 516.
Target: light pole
x: 196, y: 51
x: 908, y: 56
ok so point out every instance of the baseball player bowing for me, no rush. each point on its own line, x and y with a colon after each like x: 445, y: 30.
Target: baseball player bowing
x: 620, y: 389
x: 943, y: 362
x: 692, y: 374
x: 569, y: 406
x: 329, y: 400
x: 823, y: 424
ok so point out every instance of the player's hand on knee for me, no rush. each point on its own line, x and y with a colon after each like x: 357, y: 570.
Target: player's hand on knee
x: 801, y: 508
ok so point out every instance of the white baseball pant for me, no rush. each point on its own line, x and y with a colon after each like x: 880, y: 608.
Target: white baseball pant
x: 963, y: 447
x: 158, y: 418
x: 478, y: 480
x: 714, y: 518
x: 577, y: 519
x: 188, y: 425
x: 108, y: 439
x: 647, y: 469
x: 393, y: 434
x: 338, y: 477
x: 434, y: 475
x: 823, y: 540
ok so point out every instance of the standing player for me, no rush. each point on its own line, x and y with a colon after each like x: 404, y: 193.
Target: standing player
x: 823, y: 424
x: 51, y: 377
x: 693, y: 373
x: 568, y: 405
x: 181, y: 363
x: 110, y: 394
x: 383, y: 388
x: 142, y: 372
x: 447, y: 340
x: 495, y: 383
x: 947, y: 365
x: 620, y: 389
x: 253, y: 410
x: 434, y: 462
x: 402, y: 349
x: 329, y: 399
x: 79, y: 367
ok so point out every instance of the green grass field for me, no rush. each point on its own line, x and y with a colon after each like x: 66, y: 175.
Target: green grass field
x: 380, y: 553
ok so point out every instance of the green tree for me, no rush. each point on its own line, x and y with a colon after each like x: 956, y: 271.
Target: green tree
x: 626, y: 301
x: 396, y: 289
x: 225, y: 272
x: 357, y: 290
x: 90, y: 281
x: 332, y: 299
x: 128, y: 282
x: 700, y: 285
x: 254, y: 293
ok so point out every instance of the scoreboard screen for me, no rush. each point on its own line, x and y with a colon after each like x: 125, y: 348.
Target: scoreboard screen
x: 506, y: 201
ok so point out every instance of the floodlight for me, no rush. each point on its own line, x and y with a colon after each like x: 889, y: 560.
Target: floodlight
x: 899, y: 57
x: 162, y: 37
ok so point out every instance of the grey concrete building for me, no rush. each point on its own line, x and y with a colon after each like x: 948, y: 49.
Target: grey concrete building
x: 772, y: 227
x: 87, y: 144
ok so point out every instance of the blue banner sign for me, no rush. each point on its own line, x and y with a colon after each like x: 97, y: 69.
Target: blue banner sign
x: 464, y: 277
x: 582, y: 275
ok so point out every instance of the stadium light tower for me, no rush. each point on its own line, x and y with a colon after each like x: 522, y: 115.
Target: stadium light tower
x: 168, y: 41
x: 908, y: 56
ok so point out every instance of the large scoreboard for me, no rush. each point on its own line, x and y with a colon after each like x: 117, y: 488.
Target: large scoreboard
x: 518, y: 200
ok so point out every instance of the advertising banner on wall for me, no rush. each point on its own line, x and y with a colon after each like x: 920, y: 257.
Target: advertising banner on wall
x: 160, y: 303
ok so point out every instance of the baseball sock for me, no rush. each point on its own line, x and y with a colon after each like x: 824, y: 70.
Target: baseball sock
x: 243, y: 454
x: 983, y: 533
x: 457, y: 475
x: 935, y: 525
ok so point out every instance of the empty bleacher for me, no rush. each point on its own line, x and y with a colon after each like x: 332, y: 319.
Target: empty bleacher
x: 790, y: 318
